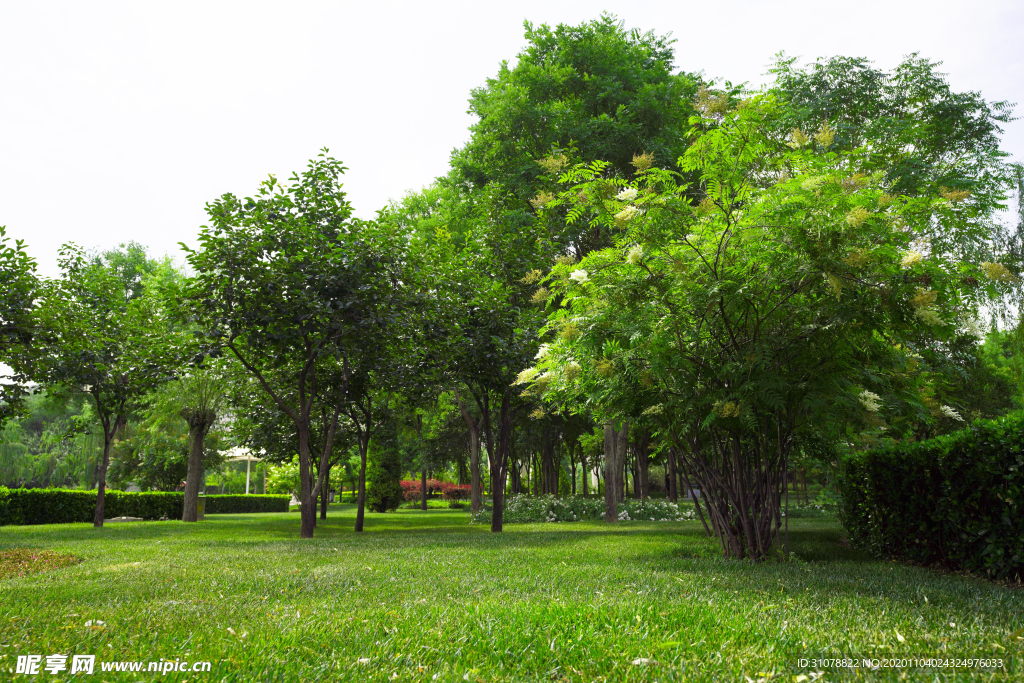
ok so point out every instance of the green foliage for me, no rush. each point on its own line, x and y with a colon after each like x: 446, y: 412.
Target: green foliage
x: 284, y: 478
x: 19, y: 285
x: 384, y: 469
x: 954, y: 500
x: 65, y: 506
x: 62, y: 506
x: 921, y: 133
x: 220, y: 505
x: 527, y: 509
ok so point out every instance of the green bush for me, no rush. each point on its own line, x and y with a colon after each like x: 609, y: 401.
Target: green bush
x: 524, y: 509
x: 67, y: 506
x: 955, y: 500
x: 384, y: 470
x: 219, y: 505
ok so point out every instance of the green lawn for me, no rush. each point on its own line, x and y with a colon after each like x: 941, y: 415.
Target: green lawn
x: 424, y: 596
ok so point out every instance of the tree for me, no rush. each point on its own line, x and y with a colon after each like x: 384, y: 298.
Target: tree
x: 798, y: 291
x: 98, y: 337
x: 19, y: 285
x: 289, y: 284
x: 384, y: 469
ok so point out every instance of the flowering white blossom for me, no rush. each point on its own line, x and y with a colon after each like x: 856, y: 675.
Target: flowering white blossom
x: 634, y: 255
x: 578, y: 275
x: 974, y: 327
x: 951, y: 412
x: 911, y: 258
x: 627, y: 195
x: 927, y: 315
x: 627, y: 214
x: 870, y: 400
x: 542, y: 351
x: 525, y: 376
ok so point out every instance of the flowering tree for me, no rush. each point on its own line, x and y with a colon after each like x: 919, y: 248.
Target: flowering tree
x: 798, y: 290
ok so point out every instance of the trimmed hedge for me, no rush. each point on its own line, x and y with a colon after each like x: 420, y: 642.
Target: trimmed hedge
x: 228, y: 504
x: 956, y: 500
x: 65, y: 506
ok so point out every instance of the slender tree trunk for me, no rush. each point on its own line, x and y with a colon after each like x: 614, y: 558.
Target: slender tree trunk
x: 611, y: 504
x: 584, y: 471
x: 101, y: 475
x: 325, y: 492
x: 499, y: 464
x: 621, y: 445
x: 364, y: 444
x: 642, y: 463
x: 423, y: 489
x: 673, y: 492
x: 476, y: 484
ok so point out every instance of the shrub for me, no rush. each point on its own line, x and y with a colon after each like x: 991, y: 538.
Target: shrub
x: 523, y: 509
x: 455, y: 491
x: 954, y: 500
x: 410, y: 489
x: 384, y: 470
x: 67, y: 506
x: 220, y: 505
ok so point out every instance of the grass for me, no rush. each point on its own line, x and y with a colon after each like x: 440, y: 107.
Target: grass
x: 425, y: 596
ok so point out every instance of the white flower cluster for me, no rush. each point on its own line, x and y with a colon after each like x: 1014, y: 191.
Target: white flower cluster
x: 627, y: 214
x: 974, y: 327
x: 543, y: 351
x: 627, y: 195
x: 870, y: 400
x: 911, y: 258
x: 634, y: 255
x: 951, y: 412
x: 578, y: 275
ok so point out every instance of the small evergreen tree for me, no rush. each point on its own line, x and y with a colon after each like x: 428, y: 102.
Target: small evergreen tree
x: 384, y: 469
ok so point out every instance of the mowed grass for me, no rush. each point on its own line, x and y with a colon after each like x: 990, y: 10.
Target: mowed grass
x: 425, y: 596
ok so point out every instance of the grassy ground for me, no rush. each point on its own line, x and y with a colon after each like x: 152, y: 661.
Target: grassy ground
x: 424, y: 596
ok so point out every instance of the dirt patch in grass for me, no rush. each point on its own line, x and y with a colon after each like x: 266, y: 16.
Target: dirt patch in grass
x: 16, y: 562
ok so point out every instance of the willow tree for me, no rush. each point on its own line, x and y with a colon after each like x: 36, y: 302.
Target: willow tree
x: 797, y: 290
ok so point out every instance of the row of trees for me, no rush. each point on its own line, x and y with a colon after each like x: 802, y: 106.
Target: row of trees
x: 622, y: 253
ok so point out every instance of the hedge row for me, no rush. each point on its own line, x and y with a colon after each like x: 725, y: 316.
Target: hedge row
x: 957, y: 500
x: 65, y: 506
x: 237, y: 503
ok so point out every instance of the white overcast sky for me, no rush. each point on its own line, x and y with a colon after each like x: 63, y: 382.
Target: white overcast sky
x: 120, y: 120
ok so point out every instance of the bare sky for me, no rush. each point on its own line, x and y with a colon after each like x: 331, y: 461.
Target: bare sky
x: 120, y: 120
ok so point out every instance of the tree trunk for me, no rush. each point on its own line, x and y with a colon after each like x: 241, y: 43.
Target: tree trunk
x: 621, y: 444
x: 673, y: 492
x: 642, y: 464
x: 499, y: 464
x: 611, y: 504
x: 199, y: 423
x: 307, y: 505
x: 101, y: 477
x: 364, y: 444
x: 423, y: 489
x: 584, y: 471
x: 325, y: 492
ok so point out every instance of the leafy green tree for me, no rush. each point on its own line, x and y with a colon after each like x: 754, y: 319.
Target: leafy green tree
x: 290, y: 285
x: 19, y: 286
x: 799, y: 290
x: 384, y: 469
x: 95, y: 336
